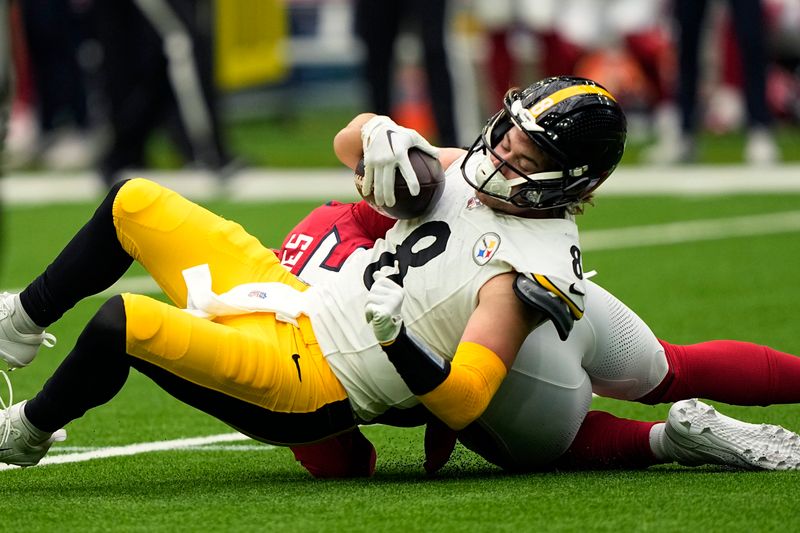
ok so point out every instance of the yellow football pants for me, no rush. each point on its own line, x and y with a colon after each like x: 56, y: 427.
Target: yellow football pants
x: 253, y: 357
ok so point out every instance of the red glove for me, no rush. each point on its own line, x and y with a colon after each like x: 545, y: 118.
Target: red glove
x: 440, y: 441
x: 344, y: 456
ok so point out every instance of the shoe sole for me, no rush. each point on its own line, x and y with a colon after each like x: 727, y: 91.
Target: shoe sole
x: 724, y: 440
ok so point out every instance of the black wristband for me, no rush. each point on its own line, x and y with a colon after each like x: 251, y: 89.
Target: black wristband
x: 420, y: 368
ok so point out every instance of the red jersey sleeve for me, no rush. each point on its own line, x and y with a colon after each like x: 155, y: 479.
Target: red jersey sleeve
x: 330, y: 233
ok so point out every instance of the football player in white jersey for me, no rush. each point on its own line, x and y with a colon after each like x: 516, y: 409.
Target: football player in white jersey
x: 540, y: 416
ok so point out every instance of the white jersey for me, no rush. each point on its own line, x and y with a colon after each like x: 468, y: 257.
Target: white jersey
x: 442, y: 260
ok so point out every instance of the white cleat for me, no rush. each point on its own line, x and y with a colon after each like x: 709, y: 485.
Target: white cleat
x: 697, y: 434
x: 20, y: 443
x: 16, y: 348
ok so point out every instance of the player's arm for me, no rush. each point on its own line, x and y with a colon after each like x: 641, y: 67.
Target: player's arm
x: 348, y: 145
x: 384, y: 147
x: 458, y: 392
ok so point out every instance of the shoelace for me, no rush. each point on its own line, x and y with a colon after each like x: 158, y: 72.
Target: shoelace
x: 5, y: 309
x: 6, y: 431
x: 48, y: 340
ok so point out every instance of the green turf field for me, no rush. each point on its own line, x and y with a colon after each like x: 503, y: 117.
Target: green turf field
x: 740, y: 287
x: 305, y: 139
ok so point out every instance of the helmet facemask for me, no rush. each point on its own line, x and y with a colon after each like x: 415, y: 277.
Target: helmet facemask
x: 522, y: 190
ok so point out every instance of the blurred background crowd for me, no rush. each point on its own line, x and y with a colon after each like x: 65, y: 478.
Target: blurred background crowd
x: 221, y: 85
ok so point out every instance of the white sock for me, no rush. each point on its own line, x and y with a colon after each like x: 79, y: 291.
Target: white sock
x: 37, y: 435
x: 657, y: 446
x: 21, y: 321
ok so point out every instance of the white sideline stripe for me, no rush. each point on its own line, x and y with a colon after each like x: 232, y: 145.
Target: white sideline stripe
x: 61, y: 450
x: 691, y: 231
x: 135, y: 449
x: 258, y: 185
x: 605, y: 239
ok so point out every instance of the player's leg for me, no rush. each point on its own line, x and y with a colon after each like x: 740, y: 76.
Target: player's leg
x: 91, y: 262
x: 626, y: 360
x: 167, y: 234
x: 733, y: 372
x: 163, y: 231
x: 630, y: 363
x: 694, y: 434
x: 537, y: 411
x: 347, y: 455
x: 265, y: 378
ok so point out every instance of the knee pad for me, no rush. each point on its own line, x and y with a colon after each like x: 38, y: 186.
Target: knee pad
x: 137, y: 194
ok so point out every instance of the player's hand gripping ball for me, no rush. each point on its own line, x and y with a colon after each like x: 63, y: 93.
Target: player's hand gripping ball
x: 430, y: 174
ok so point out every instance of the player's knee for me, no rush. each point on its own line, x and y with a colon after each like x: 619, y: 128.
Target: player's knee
x: 111, y: 316
x: 136, y: 195
x: 106, y: 208
x: 665, y: 378
x: 143, y: 321
x: 106, y: 330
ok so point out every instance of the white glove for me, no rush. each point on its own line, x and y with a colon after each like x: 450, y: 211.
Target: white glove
x: 382, y: 311
x: 386, y: 146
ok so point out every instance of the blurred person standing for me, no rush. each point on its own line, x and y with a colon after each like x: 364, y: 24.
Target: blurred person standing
x: 378, y: 24
x: 5, y: 73
x: 499, y: 19
x: 5, y: 91
x: 53, y: 34
x: 748, y: 25
x: 158, y: 71
x: 620, y: 43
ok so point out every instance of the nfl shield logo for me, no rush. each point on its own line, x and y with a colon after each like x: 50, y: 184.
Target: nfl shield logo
x: 485, y: 248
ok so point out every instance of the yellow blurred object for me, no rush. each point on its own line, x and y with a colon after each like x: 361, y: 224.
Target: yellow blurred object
x: 251, y: 42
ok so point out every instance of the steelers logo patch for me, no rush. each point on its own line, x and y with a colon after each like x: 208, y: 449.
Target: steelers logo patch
x: 485, y: 248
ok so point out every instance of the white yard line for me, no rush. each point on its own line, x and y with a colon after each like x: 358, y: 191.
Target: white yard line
x: 136, y: 449
x: 690, y: 231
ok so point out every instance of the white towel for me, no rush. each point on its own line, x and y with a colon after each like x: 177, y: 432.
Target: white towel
x: 265, y: 297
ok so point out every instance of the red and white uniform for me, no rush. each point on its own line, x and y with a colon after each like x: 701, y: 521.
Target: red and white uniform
x: 319, y: 245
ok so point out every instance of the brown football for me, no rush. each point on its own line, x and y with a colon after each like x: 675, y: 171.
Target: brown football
x: 431, y: 185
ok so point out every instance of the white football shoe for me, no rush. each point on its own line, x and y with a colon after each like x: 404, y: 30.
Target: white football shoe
x: 697, y: 434
x: 16, y: 348
x: 20, y: 443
